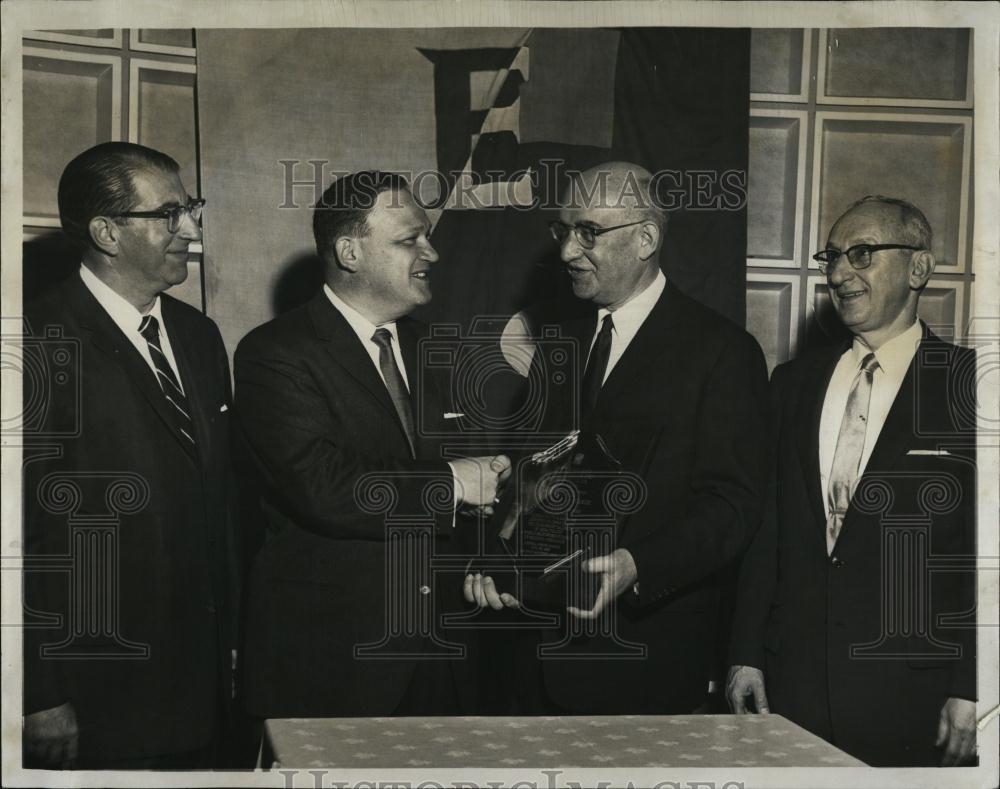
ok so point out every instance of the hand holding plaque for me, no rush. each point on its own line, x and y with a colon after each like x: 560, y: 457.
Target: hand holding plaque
x: 560, y: 514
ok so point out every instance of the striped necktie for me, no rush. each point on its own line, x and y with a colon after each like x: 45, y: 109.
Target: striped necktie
x: 394, y: 383
x: 850, y: 446
x: 150, y: 330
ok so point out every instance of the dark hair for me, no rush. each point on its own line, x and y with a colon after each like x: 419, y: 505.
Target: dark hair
x: 911, y: 219
x: 344, y: 207
x: 98, y: 182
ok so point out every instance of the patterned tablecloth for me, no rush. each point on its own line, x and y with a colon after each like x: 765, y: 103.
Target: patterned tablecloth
x: 625, y: 741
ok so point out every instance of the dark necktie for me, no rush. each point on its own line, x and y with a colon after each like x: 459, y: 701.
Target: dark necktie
x: 394, y: 383
x: 850, y: 446
x: 597, y: 364
x: 150, y: 330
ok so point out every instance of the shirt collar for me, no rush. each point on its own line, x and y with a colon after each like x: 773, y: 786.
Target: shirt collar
x: 363, y: 327
x: 122, y: 312
x: 630, y: 315
x: 894, y: 356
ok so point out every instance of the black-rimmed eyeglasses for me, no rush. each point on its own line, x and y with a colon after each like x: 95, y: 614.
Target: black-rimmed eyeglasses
x: 859, y: 256
x: 173, y: 215
x: 585, y: 234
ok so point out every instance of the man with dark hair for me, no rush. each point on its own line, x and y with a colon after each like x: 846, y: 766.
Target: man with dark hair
x: 327, y: 397
x: 841, y: 625
x: 677, y: 393
x: 128, y: 478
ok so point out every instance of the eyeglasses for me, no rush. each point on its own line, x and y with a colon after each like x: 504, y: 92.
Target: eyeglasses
x: 859, y: 256
x: 585, y: 234
x: 173, y: 215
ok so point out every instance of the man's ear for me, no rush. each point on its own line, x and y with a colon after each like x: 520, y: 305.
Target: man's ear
x: 347, y: 253
x: 921, y: 267
x: 104, y: 234
x: 649, y: 240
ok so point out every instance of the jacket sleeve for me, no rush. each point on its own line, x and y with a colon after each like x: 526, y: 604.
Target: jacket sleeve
x: 726, y: 481
x: 328, y: 485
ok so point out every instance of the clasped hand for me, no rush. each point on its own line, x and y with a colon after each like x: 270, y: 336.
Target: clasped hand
x: 478, y: 481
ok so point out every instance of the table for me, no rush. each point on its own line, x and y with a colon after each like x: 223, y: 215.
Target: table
x: 507, y: 742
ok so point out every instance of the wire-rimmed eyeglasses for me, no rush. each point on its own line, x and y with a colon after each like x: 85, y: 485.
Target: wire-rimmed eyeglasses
x: 585, y: 234
x: 859, y: 256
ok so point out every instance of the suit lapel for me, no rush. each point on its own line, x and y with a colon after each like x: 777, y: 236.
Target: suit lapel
x: 899, y: 427
x: 641, y: 354
x: 349, y: 354
x: 192, y: 383
x: 808, y: 417
x: 105, y: 335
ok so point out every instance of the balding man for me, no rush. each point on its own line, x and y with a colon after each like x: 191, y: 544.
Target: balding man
x: 678, y: 394
x: 840, y: 626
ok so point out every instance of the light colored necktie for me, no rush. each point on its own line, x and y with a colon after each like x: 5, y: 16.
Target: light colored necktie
x: 850, y: 445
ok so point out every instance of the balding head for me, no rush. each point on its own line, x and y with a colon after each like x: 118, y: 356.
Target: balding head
x: 609, y: 266
x: 621, y: 187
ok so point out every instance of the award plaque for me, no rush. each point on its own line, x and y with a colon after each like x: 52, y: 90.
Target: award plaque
x: 560, y: 515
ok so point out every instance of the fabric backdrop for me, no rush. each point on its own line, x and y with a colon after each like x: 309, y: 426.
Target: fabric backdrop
x: 504, y: 115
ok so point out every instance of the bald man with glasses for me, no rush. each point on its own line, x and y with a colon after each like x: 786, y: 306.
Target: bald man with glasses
x: 677, y: 393
x: 841, y: 625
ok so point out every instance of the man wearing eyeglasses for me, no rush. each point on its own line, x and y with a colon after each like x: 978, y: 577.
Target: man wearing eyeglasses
x: 840, y: 625
x: 128, y: 486
x: 678, y: 395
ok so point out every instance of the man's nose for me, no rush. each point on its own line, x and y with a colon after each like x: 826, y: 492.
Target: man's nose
x: 570, y: 248
x: 428, y: 252
x: 189, y: 228
x: 839, y: 271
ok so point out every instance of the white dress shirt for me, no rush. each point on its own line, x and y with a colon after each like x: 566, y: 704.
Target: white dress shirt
x: 364, y: 328
x: 128, y: 319
x: 894, y: 358
x: 627, y: 319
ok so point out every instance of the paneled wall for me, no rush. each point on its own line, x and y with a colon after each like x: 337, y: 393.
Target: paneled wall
x: 82, y: 87
x: 842, y: 113
x: 835, y: 114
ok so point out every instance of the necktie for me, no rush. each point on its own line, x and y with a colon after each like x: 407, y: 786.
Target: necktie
x: 850, y: 445
x: 394, y: 383
x: 150, y: 330
x: 597, y: 364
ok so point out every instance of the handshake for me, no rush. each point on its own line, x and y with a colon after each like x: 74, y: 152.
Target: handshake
x: 479, y: 480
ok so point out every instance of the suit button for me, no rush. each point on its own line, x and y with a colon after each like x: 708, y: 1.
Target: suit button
x: 836, y: 561
x: 210, y: 608
x: 425, y: 589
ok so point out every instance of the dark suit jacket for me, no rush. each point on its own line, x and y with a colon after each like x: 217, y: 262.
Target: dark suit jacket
x: 105, y: 466
x: 684, y: 407
x: 805, y: 618
x: 318, y: 418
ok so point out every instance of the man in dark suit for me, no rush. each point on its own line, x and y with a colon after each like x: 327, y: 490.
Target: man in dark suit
x: 339, y: 414
x: 128, y: 486
x: 840, y: 625
x: 678, y: 395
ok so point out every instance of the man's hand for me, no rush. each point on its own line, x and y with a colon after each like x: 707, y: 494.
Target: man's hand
x: 957, y: 732
x: 481, y: 590
x: 51, y: 736
x: 746, y: 681
x: 618, y: 573
x: 479, y: 480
